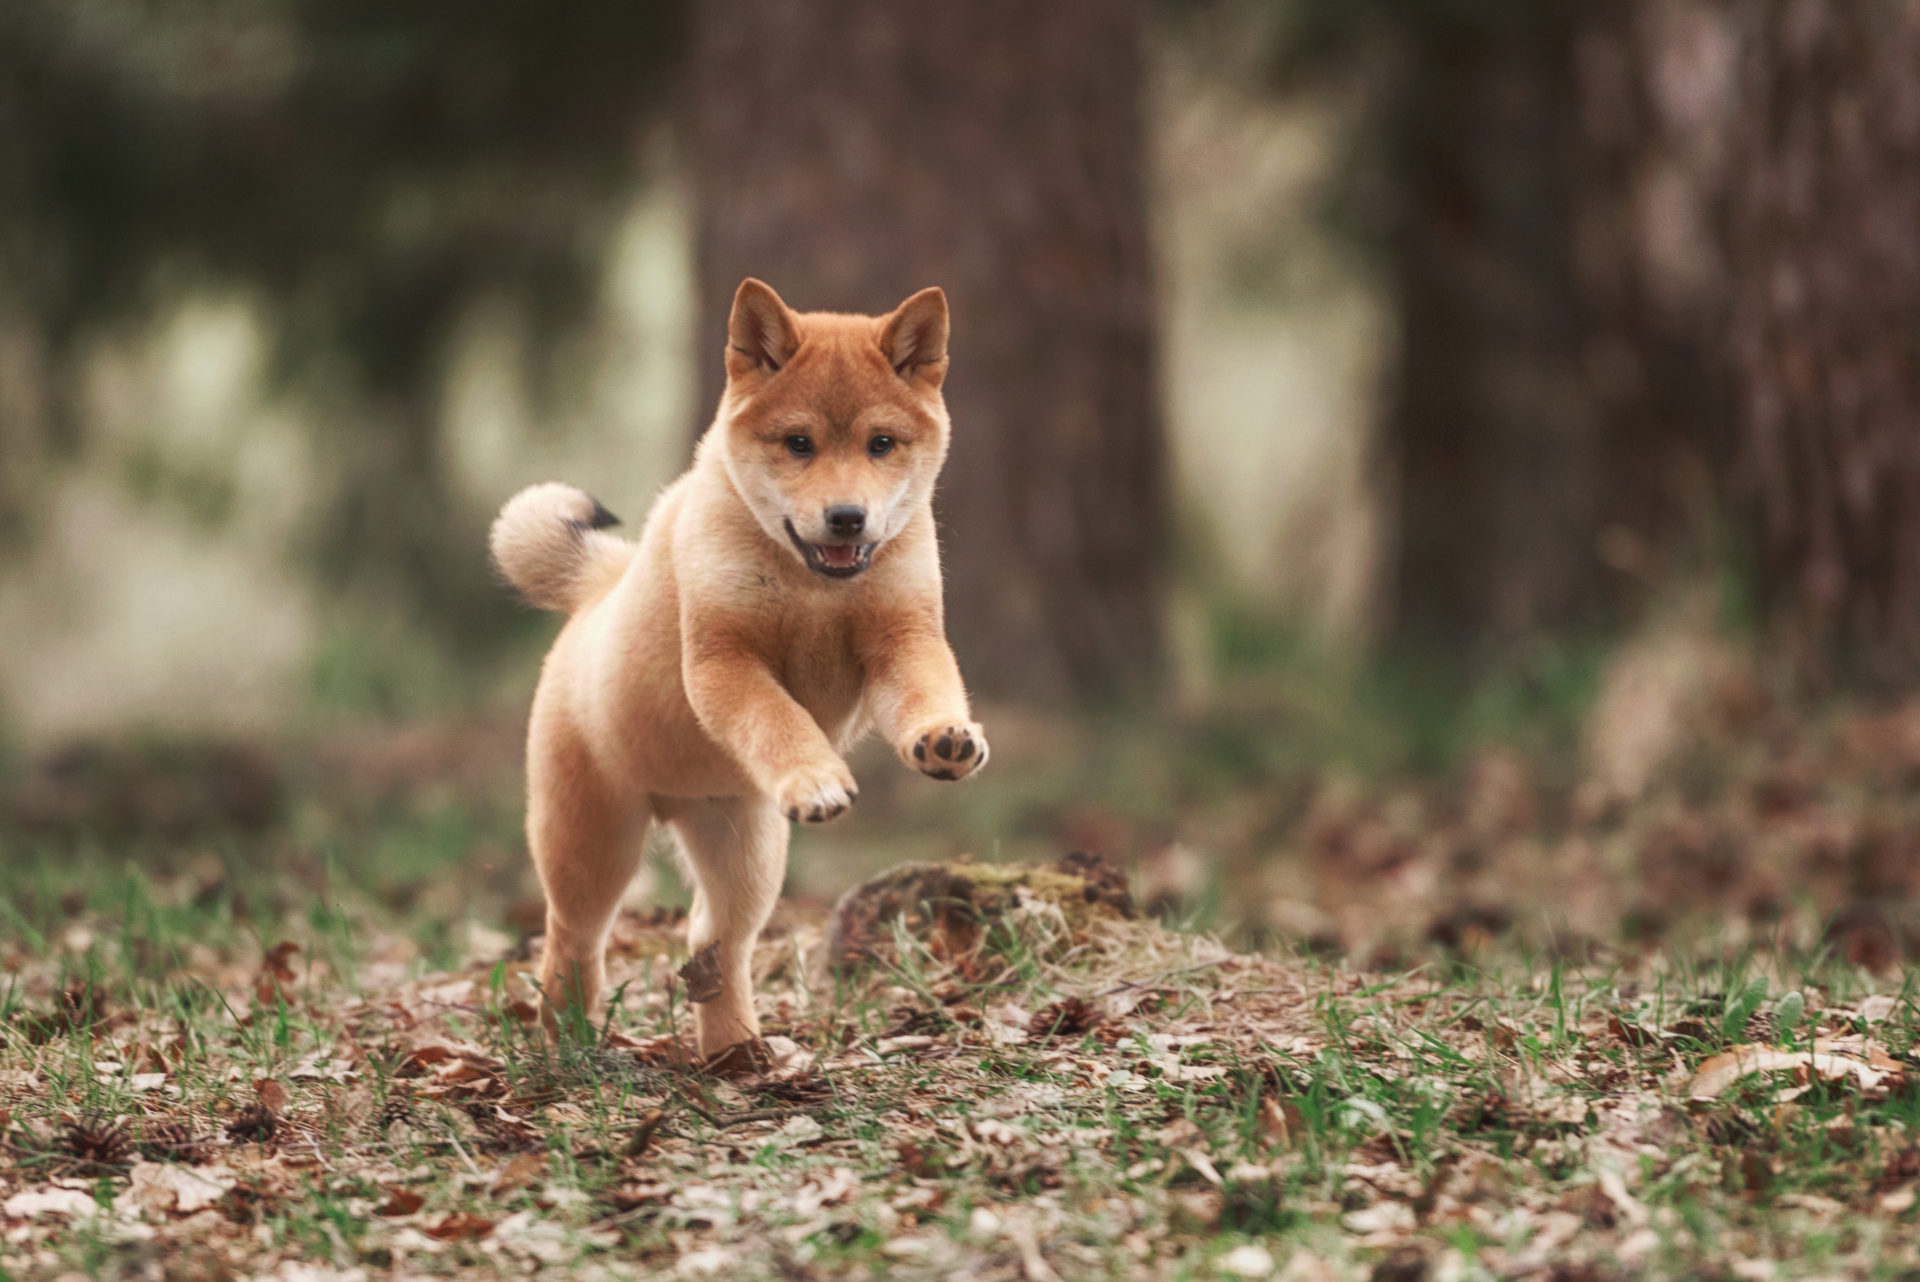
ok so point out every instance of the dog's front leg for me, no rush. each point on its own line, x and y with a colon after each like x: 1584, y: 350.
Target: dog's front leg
x: 918, y: 700
x: 744, y: 707
x: 736, y: 848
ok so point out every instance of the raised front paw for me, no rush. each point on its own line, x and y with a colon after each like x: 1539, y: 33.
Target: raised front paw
x: 949, y: 751
x: 816, y: 795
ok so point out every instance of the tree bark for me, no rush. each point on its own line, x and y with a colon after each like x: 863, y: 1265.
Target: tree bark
x: 1825, y: 329
x: 1561, y: 426
x: 850, y: 152
x: 1494, y: 434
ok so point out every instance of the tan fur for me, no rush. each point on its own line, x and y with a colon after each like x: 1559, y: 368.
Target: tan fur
x: 544, y: 544
x: 709, y: 678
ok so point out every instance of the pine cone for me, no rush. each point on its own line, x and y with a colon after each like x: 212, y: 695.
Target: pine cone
x: 254, y: 1122
x: 908, y: 1019
x: 503, y: 1131
x: 397, y: 1109
x: 1068, y: 1018
x: 172, y: 1141
x: 101, y: 1142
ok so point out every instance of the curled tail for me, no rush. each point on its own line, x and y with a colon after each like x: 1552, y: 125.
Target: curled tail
x: 550, y: 543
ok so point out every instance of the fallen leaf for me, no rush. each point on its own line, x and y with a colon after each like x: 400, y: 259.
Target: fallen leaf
x: 1194, y: 1072
x: 400, y: 1202
x: 1007, y: 1024
x: 1280, y: 1121
x: 643, y: 1132
x: 894, y: 1045
x: 1878, y: 1008
x: 1246, y: 1261
x: 992, y: 1131
x: 1632, y: 1033
x: 1203, y: 1164
x: 626, y: 1197
x: 701, y: 974
x: 519, y: 1172
x: 276, y: 976
x: 34, y: 1203
x: 1719, y: 1073
x: 825, y: 1188
x: 460, y: 1227
x: 1381, y: 1217
x: 164, y: 1186
x: 323, y: 1066
x: 272, y: 1095
x: 706, y: 1262
x: 1615, y: 1187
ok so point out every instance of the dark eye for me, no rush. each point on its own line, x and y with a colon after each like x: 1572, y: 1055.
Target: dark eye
x: 800, y: 446
x: 880, y: 445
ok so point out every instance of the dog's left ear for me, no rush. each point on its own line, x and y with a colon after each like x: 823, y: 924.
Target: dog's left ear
x: 761, y: 334
x: 914, y: 338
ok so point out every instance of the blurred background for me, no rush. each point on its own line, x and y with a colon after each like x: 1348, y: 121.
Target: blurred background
x: 1425, y: 471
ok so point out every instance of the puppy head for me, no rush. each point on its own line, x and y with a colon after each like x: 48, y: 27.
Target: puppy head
x: 835, y: 426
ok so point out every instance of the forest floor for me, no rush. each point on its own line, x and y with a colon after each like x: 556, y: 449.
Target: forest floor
x: 1033, y: 1090
x: 1636, y: 1007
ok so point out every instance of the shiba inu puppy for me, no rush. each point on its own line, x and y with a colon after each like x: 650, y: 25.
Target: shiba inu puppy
x: 782, y: 599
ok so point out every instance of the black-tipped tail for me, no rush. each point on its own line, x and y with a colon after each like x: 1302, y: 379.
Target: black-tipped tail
x: 548, y: 544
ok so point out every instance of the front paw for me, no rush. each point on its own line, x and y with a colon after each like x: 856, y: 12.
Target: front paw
x: 817, y: 794
x: 951, y: 750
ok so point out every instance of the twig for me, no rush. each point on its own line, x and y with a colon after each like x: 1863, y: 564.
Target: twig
x: 455, y: 1141
x: 1160, y: 979
x: 721, y: 1123
x: 318, y: 1156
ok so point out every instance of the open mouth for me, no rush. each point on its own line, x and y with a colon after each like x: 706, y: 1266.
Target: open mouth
x: 835, y: 560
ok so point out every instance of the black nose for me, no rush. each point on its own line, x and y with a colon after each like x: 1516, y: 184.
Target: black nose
x: 846, y: 520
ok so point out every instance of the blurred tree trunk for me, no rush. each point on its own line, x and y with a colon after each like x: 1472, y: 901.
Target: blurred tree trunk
x: 1655, y: 87
x: 852, y: 151
x: 1560, y: 422
x: 1825, y: 328
x: 1494, y: 436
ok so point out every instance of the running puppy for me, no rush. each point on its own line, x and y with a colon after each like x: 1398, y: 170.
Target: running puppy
x: 782, y: 600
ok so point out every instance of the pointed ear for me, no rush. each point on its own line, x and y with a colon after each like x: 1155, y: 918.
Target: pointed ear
x: 914, y: 337
x: 761, y: 333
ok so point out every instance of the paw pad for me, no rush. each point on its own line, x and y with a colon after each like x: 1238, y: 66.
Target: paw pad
x: 950, y: 752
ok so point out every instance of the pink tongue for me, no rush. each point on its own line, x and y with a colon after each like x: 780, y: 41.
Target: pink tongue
x: 840, y: 555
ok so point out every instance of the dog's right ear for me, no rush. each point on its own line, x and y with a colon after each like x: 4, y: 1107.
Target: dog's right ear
x: 761, y: 334
x: 913, y: 337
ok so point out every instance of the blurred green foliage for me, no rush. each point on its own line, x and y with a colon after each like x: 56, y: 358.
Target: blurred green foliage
x: 369, y: 170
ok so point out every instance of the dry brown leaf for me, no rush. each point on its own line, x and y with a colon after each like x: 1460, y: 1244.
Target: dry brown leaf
x: 460, y: 1227
x: 1719, y: 1073
x: 277, y: 976
x: 33, y: 1203
x: 643, y: 1132
x: 1280, y: 1121
x: 1633, y: 1034
x: 272, y: 1095
x: 701, y: 974
x: 157, y: 1186
x: 825, y: 1188
x: 628, y: 1196
x: 400, y: 1202
x: 522, y: 1171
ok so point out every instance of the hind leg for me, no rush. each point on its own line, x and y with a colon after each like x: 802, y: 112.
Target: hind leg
x: 736, y: 850
x: 586, y: 844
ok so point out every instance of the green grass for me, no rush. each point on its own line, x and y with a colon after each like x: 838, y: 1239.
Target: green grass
x: 1467, y: 1112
